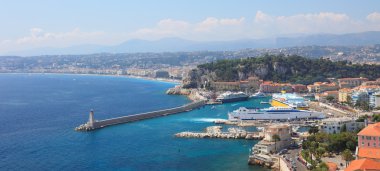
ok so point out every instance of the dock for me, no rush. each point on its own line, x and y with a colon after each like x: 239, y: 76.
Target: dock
x: 93, y: 124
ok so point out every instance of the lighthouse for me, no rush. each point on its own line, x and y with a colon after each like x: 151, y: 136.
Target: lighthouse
x: 91, y: 119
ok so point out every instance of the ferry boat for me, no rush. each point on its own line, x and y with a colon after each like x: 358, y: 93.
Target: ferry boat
x: 290, y: 100
x: 232, y: 97
x: 273, y: 113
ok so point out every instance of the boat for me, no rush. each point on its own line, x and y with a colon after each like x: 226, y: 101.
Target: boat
x: 258, y: 95
x: 290, y: 100
x: 273, y: 113
x: 232, y: 97
x: 264, y: 102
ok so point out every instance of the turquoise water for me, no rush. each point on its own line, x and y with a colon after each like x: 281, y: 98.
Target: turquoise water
x: 39, y: 111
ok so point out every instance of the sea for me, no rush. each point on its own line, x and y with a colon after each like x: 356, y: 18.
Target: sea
x: 38, y: 114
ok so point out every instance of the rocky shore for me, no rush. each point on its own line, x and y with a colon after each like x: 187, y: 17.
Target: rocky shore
x: 216, y: 132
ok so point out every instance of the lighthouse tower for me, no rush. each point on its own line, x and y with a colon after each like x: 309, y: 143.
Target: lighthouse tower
x: 91, y: 119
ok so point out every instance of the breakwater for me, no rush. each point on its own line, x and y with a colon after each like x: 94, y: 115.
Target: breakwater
x: 93, y: 124
x: 216, y: 132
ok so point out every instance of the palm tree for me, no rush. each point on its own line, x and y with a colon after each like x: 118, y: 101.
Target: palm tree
x: 276, y: 138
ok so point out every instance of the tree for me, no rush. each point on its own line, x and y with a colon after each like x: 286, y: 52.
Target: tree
x: 330, y: 98
x: 349, y: 100
x: 322, y: 167
x: 313, y: 130
x: 276, y: 138
x: 347, y: 156
x: 319, y: 152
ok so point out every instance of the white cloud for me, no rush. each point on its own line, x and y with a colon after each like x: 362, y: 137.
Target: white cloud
x: 374, y: 17
x: 40, y: 38
x: 164, y: 28
x: 211, y: 23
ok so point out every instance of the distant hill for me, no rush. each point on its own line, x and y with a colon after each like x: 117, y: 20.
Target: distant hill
x: 352, y: 39
x: 177, y: 44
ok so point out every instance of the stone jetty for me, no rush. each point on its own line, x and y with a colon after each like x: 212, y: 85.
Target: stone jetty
x: 93, y: 124
x: 216, y: 132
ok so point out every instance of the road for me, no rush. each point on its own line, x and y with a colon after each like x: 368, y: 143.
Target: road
x: 291, y: 155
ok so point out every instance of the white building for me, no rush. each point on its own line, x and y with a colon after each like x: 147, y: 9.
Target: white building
x: 267, y: 145
x: 335, y: 125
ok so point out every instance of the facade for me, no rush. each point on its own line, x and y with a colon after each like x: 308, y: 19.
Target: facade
x: 376, y: 100
x: 335, y: 125
x: 344, y: 94
x: 271, y: 87
x: 323, y: 96
x: 268, y: 144
x: 320, y: 87
x: 250, y: 83
x: 365, y: 93
x: 351, y: 82
x: 369, y: 142
x: 299, y: 88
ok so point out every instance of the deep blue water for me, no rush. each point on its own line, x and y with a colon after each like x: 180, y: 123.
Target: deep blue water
x: 38, y: 113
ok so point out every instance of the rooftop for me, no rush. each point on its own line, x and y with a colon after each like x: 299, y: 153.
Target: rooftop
x: 371, y: 130
x: 363, y: 164
x: 369, y: 152
x: 337, y: 119
x: 360, y: 78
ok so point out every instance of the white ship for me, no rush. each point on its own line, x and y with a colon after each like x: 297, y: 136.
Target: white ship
x: 273, y: 113
x: 231, y: 97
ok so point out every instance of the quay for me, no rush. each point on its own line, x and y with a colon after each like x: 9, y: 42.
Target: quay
x: 93, y: 124
x: 216, y: 132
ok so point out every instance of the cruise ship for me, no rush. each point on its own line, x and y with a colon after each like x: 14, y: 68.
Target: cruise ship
x: 232, y: 97
x: 290, y: 100
x: 273, y: 113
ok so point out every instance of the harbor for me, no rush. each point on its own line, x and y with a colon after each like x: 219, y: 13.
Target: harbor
x: 216, y: 132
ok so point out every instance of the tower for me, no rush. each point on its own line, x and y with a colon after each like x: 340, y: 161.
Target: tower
x: 91, y: 119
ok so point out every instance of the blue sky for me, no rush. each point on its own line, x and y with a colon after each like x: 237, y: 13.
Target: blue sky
x: 40, y: 23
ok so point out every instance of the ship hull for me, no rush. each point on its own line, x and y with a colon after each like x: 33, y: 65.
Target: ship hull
x: 276, y: 116
x: 233, y: 99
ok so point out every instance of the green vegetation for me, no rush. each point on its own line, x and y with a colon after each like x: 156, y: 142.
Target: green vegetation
x: 293, y: 69
x: 347, y: 156
x: 322, y: 167
x: 330, y: 98
x: 319, y: 144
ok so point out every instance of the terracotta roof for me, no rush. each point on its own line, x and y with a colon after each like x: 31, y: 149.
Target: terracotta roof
x: 332, y: 166
x: 345, y: 90
x: 369, y: 152
x: 371, y: 130
x: 363, y: 164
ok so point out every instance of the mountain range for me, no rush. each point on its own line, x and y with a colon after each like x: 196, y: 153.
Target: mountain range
x: 178, y: 44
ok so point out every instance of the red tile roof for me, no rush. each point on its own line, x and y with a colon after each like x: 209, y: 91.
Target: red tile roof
x: 371, y: 130
x: 369, y: 152
x: 363, y: 164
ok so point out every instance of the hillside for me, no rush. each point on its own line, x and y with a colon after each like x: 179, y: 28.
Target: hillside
x: 278, y: 68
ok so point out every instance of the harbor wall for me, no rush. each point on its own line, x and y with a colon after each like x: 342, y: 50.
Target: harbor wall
x: 148, y: 115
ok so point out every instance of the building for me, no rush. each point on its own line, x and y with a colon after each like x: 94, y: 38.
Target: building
x: 335, y: 125
x: 323, y: 96
x: 365, y: 93
x: 376, y: 100
x: 268, y: 144
x: 252, y: 83
x: 363, y: 165
x: 369, y: 142
x: 344, y: 95
x: 271, y: 87
x: 351, y: 82
x: 299, y: 88
x: 370, y: 83
x: 320, y: 87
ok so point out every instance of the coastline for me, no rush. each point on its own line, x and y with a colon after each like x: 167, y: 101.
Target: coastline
x: 127, y: 76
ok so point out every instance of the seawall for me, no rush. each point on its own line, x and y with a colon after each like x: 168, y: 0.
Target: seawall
x: 137, y: 117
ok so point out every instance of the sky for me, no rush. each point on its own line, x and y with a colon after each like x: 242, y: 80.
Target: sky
x: 29, y: 24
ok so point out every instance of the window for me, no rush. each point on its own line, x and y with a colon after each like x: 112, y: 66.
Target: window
x: 374, y: 144
x: 362, y: 143
x: 368, y: 145
x: 362, y: 137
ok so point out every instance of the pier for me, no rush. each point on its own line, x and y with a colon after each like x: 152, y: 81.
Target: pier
x: 93, y: 124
